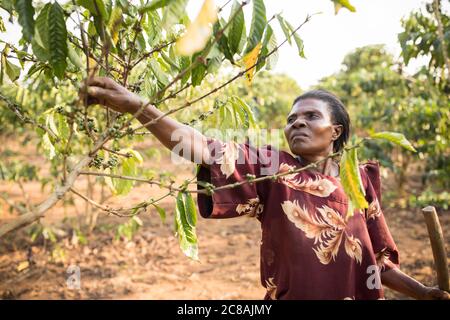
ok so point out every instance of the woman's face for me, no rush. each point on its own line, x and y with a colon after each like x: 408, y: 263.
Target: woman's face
x: 310, y: 130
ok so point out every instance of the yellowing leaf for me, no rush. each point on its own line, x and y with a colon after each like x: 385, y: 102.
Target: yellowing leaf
x: 351, y: 181
x: 338, y: 4
x: 23, y: 265
x: 249, y: 60
x: 337, y: 7
x: 199, y: 31
x: 114, y: 24
x: 92, y: 67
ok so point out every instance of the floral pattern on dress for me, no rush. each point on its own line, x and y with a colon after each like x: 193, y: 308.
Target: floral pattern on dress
x: 271, y: 289
x: 374, y: 210
x: 319, y: 187
x: 252, y: 208
x: 229, y: 155
x: 327, y: 229
x: 381, y: 257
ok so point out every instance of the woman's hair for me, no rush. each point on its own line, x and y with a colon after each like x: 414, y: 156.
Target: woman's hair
x: 338, y: 113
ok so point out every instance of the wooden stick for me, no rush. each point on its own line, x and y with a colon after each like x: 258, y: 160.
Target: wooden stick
x: 438, y: 246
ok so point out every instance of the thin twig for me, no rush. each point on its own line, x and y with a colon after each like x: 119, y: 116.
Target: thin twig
x: 126, y: 155
x: 128, y: 66
x: 14, y: 107
x: 137, y: 179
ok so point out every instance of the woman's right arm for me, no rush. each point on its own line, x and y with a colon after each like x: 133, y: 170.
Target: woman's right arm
x: 185, y: 141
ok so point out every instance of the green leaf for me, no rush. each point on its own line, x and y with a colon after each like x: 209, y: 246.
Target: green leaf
x: 41, y: 26
x: 57, y: 35
x: 49, y: 148
x: 187, y: 236
x: 12, y: 70
x: 155, y: 4
x: 257, y: 26
x: 269, y: 44
x: 300, y: 46
x: 351, y: 179
x: 7, y: 5
x: 190, y: 208
x: 50, y: 121
x: 185, y: 62
x: 129, y: 167
x: 91, y: 6
x: 298, y: 41
x: 153, y: 27
x: 63, y: 127
x: 236, y: 31
x: 199, y: 72
x: 41, y: 53
x: 394, y: 137
x: 26, y: 18
x: 284, y: 26
x: 74, y: 57
x: 243, y: 111
x: 129, y: 229
x: 141, y: 44
x: 40, y: 43
x: 169, y: 61
x: 288, y: 31
x: 159, y: 74
x: 161, y: 211
x: 173, y: 13
x: 223, y: 41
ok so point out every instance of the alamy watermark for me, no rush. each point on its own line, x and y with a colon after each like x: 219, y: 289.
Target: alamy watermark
x: 73, y: 280
x: 374, y: 280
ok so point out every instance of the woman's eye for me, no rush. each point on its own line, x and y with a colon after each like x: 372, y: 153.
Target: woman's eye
x: 313, y: 116
x: 290, y: 120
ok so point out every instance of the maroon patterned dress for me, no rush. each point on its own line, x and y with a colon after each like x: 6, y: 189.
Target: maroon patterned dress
x: 309, y: 249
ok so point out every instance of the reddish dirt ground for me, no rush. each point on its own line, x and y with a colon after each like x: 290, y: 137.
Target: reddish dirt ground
x: 151, y: 266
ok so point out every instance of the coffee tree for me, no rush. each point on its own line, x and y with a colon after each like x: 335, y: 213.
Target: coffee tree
x: 151, y: 48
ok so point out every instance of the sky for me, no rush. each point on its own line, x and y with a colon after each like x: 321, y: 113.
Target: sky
x: 327, y: 37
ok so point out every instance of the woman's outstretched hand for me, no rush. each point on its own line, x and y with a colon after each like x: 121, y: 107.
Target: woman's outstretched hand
x: 434, y: 293
x: 107, y: 92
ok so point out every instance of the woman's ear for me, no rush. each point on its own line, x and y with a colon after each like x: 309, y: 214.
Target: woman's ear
x: 337, y: 131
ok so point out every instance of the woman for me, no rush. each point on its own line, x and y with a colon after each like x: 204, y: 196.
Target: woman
x: 309, y: 249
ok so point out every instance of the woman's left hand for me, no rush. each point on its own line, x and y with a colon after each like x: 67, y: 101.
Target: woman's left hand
x: 434, y: 293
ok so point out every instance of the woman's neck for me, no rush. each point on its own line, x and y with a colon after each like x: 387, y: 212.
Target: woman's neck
x: 325, y: 166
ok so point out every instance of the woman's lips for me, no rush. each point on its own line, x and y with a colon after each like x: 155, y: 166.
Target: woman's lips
x: 299, y: 136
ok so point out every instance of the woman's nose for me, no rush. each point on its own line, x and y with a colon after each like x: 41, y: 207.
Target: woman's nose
x: 299, y: 123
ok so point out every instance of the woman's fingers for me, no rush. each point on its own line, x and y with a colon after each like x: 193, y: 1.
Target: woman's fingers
x: 99, y: 93
x: 103, y: 82
x: 442, y: 295
x: 438, y: 294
